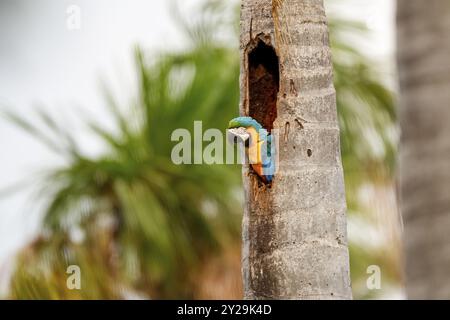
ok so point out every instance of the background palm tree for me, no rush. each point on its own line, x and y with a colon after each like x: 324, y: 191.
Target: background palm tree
x: 138, y: 225
x: 424, y: 65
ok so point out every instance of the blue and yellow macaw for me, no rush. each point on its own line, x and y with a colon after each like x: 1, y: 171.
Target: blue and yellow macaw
x: 259, y: 147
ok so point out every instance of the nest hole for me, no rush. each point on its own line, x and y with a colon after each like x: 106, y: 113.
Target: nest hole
x: 264, y: 83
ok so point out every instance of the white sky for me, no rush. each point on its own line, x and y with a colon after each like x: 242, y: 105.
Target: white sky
x: 42, y: 62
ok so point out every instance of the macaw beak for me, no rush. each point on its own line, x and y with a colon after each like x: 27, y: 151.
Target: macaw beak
x: 238, y: 135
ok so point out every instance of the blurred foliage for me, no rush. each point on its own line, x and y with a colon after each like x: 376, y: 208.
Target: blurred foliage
x: 140, y: 226
x: 365, y: 106
x: 367, y: 120
x: 162, y: 220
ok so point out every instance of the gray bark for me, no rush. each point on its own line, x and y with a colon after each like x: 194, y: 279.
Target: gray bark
x: 294, y: 230
x: 424, y: 76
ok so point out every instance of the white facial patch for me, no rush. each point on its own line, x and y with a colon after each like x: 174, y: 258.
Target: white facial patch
x: 238, y: 135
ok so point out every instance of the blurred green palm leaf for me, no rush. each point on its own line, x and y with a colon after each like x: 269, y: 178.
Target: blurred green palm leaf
x: 164, y: 217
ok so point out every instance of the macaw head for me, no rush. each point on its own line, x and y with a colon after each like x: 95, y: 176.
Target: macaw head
x: 257, y: 144
x: 247, y: 129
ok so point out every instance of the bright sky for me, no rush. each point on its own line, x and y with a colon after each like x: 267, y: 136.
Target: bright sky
x: 42, y: 62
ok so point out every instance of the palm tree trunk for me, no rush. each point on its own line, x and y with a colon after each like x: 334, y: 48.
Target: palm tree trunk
x: 423, y: 32
x: 294, y: 230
